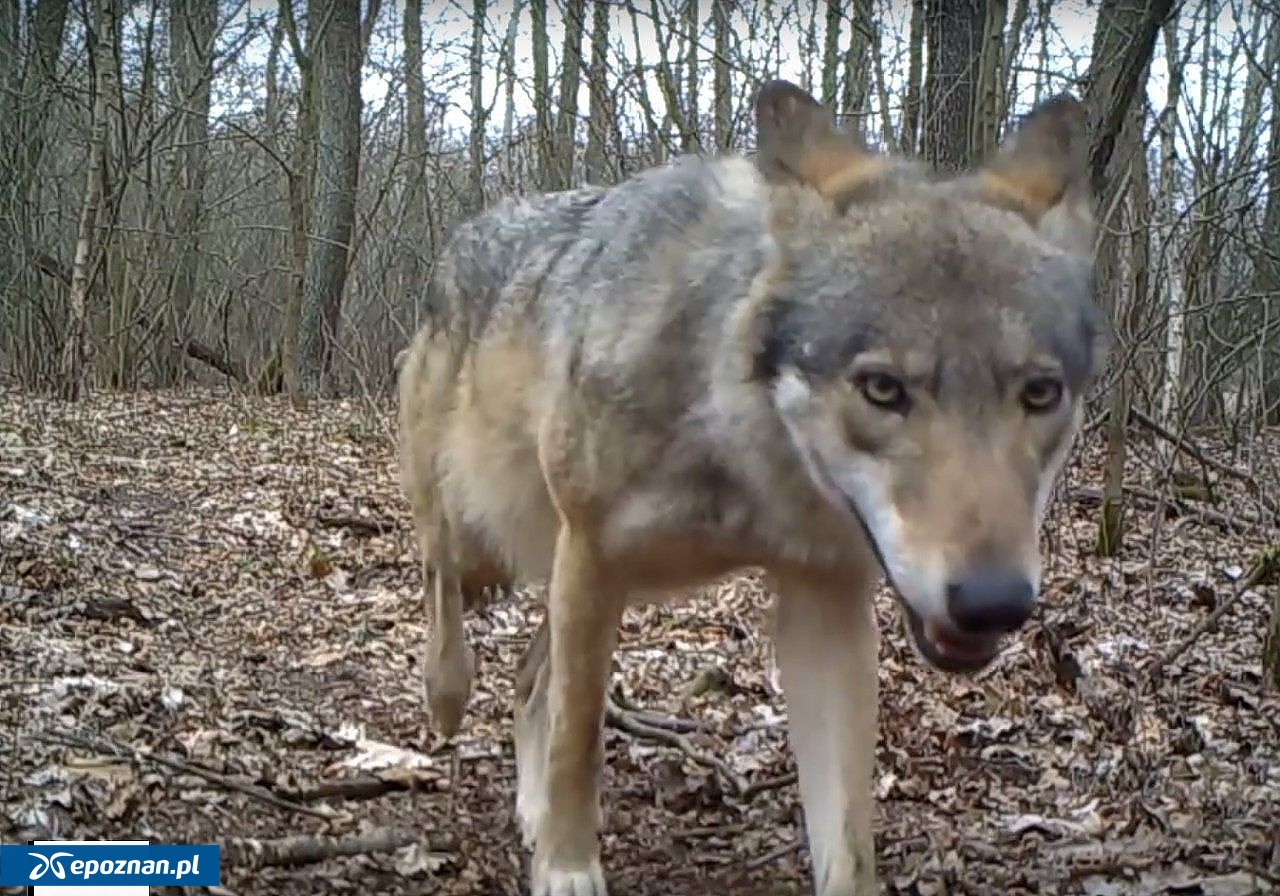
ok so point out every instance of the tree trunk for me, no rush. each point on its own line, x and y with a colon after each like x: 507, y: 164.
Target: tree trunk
x: 1123, y: 43
x: 857, y: 72
x: 542, y: 101
x: 570, y: 81
x: 953, y: 35
x: 74, y: 362
x: 596, y: 160
x: 415, y: 95
x: 509, y: 92
x: 692, y: 138
x: 987, y: 113
x: 910, y: 140
x: 414, y: 231
x: 1167, y: 254
x: 831, y: 54
x: 1266, y: 271
x: 192, y: 29
x: 337, y: 63
x: 285, y: 368
x: 11, y: 223
x: 10, y: 72
x: 723, y: 78
x: 479, y: 115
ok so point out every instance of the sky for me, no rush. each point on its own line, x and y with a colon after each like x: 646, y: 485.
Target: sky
x: 447, y: 26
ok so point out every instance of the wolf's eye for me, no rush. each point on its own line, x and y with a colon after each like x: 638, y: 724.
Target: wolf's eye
x: 1041, y: 394
x: 883, y: 390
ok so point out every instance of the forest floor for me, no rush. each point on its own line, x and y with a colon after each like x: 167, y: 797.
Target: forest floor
x: 210, y: 631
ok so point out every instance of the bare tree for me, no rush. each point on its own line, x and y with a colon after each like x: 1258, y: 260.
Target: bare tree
x: 596, y: 160
x: 1124, y: 41
x: 193, y: 25
x: 479, y: 112
x: 953, y: 39
x: 336, y: 38
x: 722, y: 78
x: 74, y: 363
x: 1266, y: 279
x: 570, y: 82
x: 910, y: 134
x: 831, y: 54
x: 542, y: 101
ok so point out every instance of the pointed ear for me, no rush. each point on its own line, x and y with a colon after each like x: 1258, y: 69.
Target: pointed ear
x: 1042, y: 172
x: 798, y: 143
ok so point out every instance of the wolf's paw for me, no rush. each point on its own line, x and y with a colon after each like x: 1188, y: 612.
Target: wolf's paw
x: 588, y: 881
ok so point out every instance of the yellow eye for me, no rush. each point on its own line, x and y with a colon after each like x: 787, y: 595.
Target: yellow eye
x: 1041, y: 394
x: 883, y: 390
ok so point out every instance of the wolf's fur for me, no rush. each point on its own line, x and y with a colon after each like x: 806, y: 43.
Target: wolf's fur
x: 819, y: 363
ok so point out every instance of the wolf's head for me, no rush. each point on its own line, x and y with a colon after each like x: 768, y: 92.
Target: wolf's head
x: 927, y: 343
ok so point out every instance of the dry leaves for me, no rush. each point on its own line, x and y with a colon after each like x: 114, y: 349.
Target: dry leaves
x: 210, y: 632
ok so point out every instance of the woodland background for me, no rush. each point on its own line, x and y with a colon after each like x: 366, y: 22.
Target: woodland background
x: 216, y: 219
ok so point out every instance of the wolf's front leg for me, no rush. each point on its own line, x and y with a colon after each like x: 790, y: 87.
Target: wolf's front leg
x: 583, y: 616
x: 826, y: 652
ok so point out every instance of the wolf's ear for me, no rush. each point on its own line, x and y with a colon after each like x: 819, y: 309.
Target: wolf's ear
x: 798, y: 143
x: 1042, y: 171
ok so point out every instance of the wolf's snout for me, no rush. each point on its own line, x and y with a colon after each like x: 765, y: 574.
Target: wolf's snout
x: 991, y: 601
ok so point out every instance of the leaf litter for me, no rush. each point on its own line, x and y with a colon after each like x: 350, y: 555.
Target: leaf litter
x: 210, y: 631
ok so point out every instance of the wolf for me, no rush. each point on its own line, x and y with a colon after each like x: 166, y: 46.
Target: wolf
x: 821, y: 362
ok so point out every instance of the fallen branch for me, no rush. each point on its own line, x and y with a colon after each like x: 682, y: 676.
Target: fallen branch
x: 1200, y: 457
x: 359, y: 525
x: 207, y: 354
x: 308, y: 850
x: 625, y: 720
x: 365, y: 788
x: 1093, y: 496
x: 1267, y: 566
x: 140, y: 756
x: 670, y: 723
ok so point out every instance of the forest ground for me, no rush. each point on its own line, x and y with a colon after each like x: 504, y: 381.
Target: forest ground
x: 210, y: 631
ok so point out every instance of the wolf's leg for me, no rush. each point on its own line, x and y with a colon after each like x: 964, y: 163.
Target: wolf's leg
x: 583, y: 613
x: 531, y: 733
x: 826, y: 652
x: 449, y: 664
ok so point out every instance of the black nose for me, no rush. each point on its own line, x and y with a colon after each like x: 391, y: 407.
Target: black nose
x: 991, y: 601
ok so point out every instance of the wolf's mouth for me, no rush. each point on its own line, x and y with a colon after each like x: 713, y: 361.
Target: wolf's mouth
x: 948, y: 650
x: 943, y: 648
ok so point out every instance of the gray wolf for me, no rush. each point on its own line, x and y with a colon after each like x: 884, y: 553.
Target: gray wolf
x: 822, y: 362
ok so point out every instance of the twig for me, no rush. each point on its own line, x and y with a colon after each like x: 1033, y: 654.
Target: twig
x: 624, y: 720
x: 758, y: 787
x: 141, y: 755
x: 719, y: 830
x: 1263, y: 569
x: 773, y: 855
x: 307, y: 850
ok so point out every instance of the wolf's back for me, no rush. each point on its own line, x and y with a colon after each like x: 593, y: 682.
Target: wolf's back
x: 498, y: 248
